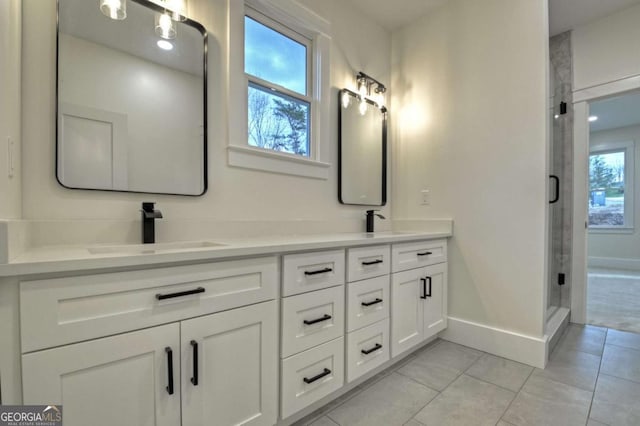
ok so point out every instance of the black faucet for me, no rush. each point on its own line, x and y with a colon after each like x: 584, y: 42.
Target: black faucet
x: 370, y: 214
x: 149, y: 216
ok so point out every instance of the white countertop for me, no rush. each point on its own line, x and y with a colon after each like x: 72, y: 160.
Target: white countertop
x: 56, y: 259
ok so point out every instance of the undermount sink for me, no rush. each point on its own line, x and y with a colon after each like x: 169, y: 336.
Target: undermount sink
x: 152, y: 248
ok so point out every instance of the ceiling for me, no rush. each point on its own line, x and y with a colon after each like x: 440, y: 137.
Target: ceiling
x: 612, y: 113
x: 564, y: 15
x: 395, y: 14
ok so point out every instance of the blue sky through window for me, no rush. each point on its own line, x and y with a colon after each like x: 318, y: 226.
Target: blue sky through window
x: 274, y: 57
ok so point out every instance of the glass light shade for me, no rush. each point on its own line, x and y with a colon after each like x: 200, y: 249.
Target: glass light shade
x: 363, y: 107
x: 165, y: 27
x: 346, y: 100
x: 114, y: 9
x: 362, y: 87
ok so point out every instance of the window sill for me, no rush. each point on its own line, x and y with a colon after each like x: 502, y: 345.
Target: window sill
x: 275, y: 162
x: 617, y: 230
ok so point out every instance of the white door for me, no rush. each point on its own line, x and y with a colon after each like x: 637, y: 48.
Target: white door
x: 122, y: 380
x: 435, y: 304
x: 407, y: 319
x: 229, y: 365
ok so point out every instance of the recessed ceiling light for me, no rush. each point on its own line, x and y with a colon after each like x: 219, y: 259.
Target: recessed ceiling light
x: 165, y: 45
x: 593, y: 118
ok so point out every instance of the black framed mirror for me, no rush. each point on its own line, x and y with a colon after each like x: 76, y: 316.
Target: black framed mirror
x: 131, y: 96
x: 362, y: 148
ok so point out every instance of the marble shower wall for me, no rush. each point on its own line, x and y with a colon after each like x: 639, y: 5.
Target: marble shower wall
x: 561, y: 165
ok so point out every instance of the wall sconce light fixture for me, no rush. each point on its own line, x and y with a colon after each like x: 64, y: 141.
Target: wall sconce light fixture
x: 365, y: 86
x: 114, y: 9
x: 165, y: 27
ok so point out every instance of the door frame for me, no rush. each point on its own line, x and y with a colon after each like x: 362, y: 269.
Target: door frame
x: 581, y: 100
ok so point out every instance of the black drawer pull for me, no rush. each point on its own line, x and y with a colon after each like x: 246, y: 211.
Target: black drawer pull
x: 426, y: 253
x: 326, y: 372
x: 373, y: 262
x: 194, y: 379
x: 373, y: 302
x: 425, y: 293
x: 317, y: 320
x: 169, y: 369
x: 319, y: 271
x: 160, y: 296
x: 373, y: 349
x: 424, y: 287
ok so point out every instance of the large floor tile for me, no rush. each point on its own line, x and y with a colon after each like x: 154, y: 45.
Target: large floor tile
x: 437, y: 367
x: 500, y: 371
x: 582, y: 338
x: 616, y: 401
x: 324, y: 421
x: 468, y: 401
x: 621, y: 362
x: 546, y: 402
x: 592, y: 422
x: 623, y: 338
x: 393, y: 400
x: 574, y: 368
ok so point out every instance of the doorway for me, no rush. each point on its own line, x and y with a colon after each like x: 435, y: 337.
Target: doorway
x: 606, y: 231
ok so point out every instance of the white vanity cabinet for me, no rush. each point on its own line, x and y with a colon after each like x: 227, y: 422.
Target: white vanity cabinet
x: 418, y: 293
x: 219, y: 368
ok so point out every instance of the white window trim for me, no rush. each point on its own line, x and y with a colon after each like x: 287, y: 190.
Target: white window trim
x: 629, y: 186
x: 240, y: 154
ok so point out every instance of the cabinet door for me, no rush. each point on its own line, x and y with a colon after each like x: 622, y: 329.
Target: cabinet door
x: 229, y: 366
x: 435, y: 305
x: 121, y: 380
x: 407, y: 317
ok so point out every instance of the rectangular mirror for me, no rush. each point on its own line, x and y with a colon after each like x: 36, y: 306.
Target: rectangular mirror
x: 131, y: 99
x: 362, y: 177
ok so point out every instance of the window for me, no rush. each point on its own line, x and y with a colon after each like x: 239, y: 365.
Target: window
x: 279, y: 88
x: 277, y: 64
x: 611, y: 186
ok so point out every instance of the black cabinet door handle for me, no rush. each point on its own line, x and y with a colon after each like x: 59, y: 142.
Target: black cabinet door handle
x: 373, y: 349
x: 373, y: 262
x: 169, y: 369
x: 426, y: 253
x: 317, y: 320
x: 556, y: 180
x: 373, y: 302
x: 427, y: 279
x: 160, y: 296
x: 194, y: 379
x: 424, y: 288
x: 326, y: 372
x: 319, y: 271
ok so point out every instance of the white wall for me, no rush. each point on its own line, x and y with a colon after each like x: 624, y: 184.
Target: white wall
x: 234, y: 194
x: 10, y: 48
x: 469, y: 115
x: 607, y: 49
x: 615, y: 246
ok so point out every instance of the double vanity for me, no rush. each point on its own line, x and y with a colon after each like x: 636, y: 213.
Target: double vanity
x: 255, y: 332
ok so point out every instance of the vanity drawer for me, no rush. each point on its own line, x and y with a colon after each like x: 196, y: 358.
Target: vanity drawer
x: 367, y: 302
x: 59, y: 311
x: 416, y: 255
x: 367, y: 349
x: 368, y: 262
x: 311, y: 375
x: 311, y: 319
x: 312, y: 271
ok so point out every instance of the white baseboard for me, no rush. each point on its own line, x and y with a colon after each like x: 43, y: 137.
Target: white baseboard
x: 507, y: 344
x: 614, y: 263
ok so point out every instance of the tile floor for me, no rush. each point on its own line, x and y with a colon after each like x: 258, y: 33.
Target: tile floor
x: 613, y: 298
x: 592, y: 378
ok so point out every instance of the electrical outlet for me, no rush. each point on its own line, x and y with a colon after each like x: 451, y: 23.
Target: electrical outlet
x: 425, y: 197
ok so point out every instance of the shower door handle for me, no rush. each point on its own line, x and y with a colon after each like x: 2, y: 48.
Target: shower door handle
x: 556, y: 179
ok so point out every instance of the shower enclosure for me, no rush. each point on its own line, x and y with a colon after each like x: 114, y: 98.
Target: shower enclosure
x: 561, y: 175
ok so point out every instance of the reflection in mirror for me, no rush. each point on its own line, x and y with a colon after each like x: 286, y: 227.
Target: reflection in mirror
x: 131, y: 96
x: 363, y: 151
